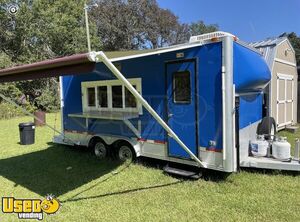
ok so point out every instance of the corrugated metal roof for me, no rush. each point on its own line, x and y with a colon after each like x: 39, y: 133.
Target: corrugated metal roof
x: 268, y: 42
x: 268, y: 48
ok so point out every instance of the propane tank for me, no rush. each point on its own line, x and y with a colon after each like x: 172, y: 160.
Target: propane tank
x: 281, y: 149
x: 259, y: 147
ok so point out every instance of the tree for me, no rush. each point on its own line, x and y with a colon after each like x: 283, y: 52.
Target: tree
x: 161, y: 28
x: 42, y: 29
x: 5, y: 60
x: 198, y: 28
x: 45, y: 29
x: 137, y: 24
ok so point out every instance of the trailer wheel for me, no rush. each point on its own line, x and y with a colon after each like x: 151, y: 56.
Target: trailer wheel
x: 126, y: 153
x: 100, y: 150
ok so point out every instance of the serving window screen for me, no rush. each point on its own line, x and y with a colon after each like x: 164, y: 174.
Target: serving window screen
x: 102, y: 96
x: 91, y: 97
x: 182, y: 87
x: 130, y: 100
x: 117, y: 96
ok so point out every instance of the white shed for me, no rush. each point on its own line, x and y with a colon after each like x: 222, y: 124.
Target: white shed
x: 281, y: 94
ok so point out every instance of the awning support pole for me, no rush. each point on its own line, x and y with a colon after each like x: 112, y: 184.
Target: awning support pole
x: 30, y: 114
x: 102, y: 57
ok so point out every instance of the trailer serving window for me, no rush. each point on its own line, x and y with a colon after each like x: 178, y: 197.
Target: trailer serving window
x: 110, y: 95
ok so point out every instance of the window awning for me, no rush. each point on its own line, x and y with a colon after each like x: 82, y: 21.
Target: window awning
x: 70, y: 65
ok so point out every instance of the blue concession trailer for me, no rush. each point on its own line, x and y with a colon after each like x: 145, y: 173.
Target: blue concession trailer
x: 197, y: 104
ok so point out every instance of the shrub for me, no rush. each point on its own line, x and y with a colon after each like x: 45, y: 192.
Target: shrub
x: 48, y: 101
x: 10, y: 111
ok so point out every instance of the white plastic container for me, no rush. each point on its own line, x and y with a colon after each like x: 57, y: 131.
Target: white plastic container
x: 297, y: 149
x: 281, y: 149
x: 259, y: 147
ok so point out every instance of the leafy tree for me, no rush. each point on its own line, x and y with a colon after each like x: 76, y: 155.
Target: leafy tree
x: 42, y: 29
x: 198, y: 28
x: 45, y: 29
x: 5, y: 60
x: 161, y: 27
x: 47, y: 101
x: 137, y: 24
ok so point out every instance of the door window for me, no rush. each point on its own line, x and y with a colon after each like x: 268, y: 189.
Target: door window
x: 182, y: 87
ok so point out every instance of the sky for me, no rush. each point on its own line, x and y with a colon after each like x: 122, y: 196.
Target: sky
x: 250, y: 20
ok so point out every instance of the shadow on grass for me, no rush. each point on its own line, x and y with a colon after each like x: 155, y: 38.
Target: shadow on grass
x: 206, y: 174
x: 55, y: 170
x: 72, y: 199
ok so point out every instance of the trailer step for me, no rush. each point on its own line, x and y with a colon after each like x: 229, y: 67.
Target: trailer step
x: 181, y: 172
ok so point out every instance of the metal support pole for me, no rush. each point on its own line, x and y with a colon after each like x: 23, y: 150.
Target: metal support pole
x: 87, y: 27
x: 102, y: 57
x: 228, y: 105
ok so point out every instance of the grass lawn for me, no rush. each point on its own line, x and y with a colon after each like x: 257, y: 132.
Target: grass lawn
x: 93, y: 190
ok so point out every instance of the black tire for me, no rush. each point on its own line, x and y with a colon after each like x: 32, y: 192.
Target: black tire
x: 267, y: 127
x: 100, y: 150
x: 125, y: 153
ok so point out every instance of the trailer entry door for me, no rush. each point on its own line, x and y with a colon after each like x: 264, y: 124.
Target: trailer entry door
x: 181, y: 106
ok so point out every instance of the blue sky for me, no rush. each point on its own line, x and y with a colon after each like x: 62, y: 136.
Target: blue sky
x: 250, y: 20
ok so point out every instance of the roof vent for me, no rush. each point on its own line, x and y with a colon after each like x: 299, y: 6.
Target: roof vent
x: 210, y: 36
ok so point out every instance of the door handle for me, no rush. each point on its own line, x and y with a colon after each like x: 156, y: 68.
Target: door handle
x: 170, y: 115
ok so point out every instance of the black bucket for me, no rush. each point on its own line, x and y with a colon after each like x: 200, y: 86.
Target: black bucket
x: 27, y: 133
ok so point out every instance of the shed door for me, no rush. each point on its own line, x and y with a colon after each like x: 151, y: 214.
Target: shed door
x: 181, y: 107
x: 285, y: 99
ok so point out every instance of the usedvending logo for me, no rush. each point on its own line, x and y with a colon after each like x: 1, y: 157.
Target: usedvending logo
x: 30, y: 208
x: 11, y: 8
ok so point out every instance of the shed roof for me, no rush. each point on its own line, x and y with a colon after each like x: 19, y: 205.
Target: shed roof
x: 268, y: 48
x: 268, y: 42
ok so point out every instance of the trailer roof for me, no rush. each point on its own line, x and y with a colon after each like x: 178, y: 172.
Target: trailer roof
x: 70, y: 65
x: 85, y: 63
x: 118, y: 54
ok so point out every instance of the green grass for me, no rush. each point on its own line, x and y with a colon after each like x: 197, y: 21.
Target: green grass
x: 91, y: 190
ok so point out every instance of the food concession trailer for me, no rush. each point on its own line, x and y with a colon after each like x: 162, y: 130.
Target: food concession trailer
x: 197, y: 104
